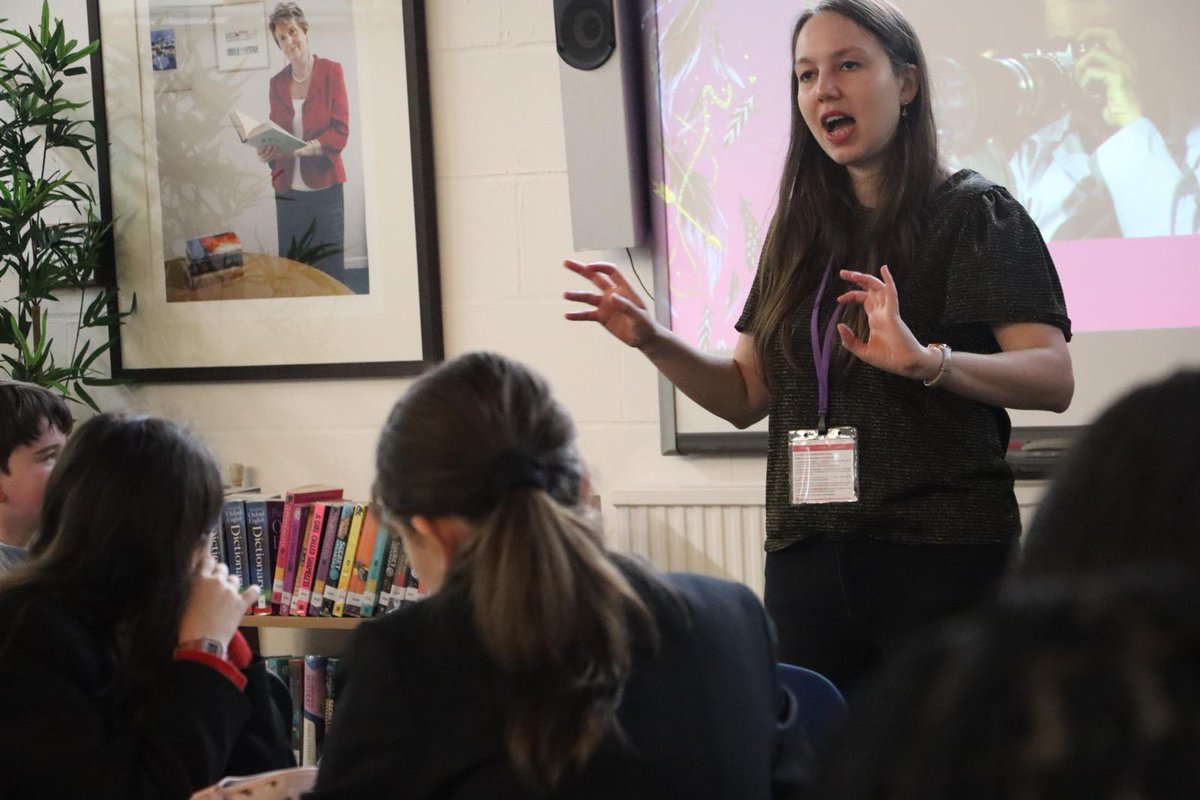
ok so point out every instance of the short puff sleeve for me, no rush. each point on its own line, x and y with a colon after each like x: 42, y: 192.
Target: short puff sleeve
x: 1000, y: 269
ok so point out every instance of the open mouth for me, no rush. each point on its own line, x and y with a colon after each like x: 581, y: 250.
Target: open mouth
x: 836, y: 122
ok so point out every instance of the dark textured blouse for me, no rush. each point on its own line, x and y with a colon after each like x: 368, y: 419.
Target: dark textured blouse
x: 931, y: 463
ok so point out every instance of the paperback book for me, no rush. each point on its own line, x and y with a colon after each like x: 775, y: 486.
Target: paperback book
x: 263, y: 134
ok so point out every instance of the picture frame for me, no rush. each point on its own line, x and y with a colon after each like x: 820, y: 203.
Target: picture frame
x: 185, y: 176
x: 240, y: 37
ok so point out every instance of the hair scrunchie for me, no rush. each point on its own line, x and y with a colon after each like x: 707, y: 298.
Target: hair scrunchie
x: 514, y: 469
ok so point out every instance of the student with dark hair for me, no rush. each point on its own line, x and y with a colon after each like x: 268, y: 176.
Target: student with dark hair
x: 542, y: 664
x: 1128, y: 491
x: 34, y: 423
x: 122, y: 674
x: 889, y: 501
x: 1085, y: 691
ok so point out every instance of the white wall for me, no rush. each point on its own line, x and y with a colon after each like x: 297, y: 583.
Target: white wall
x: 504, y: 228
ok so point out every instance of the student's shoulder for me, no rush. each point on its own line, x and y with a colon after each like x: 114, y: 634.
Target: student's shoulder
x: 704, y: 592
x: 424, y: 626
x: 50, y: 630
x: 694, y: 582
x: 22, y: 608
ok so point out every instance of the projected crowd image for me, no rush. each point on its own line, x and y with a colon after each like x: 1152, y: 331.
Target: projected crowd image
x: 1086, y: 110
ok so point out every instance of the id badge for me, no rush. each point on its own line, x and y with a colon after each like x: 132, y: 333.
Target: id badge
x: 824, y: 466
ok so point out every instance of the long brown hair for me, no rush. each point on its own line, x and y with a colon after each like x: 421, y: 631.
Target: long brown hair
x: 126, y: 507
x: 818, y: 220
x: 482, y: 438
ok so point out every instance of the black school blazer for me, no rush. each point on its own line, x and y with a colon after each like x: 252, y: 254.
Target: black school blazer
x: 422, y: 708
x: 62, y: 734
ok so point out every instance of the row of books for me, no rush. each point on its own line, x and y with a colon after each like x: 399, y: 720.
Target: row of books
x: 310, y: 681
x: 314, y: 554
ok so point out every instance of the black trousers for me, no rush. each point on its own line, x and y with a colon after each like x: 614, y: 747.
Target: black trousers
x: 842, y: 606
x: 324, y: 211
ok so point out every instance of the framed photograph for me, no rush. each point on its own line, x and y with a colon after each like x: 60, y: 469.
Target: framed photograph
x: 277, y: 222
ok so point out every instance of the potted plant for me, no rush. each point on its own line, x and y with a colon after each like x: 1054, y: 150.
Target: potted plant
x: 51, y: 236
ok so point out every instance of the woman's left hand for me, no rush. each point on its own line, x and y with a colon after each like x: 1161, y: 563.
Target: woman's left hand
x: 890, y: 345
x: 310, y: 148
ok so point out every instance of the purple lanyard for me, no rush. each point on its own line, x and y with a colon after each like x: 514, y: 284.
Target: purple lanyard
x: 823, y: 355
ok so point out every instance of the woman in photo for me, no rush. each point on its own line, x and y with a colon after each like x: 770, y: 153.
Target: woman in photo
x: 308, y: 99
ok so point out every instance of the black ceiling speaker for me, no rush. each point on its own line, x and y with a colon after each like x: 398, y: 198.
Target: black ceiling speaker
x: 586, y: 32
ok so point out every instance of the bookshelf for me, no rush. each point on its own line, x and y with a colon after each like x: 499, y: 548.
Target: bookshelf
x: 311, y: 623
x: 293, y: 546
x: 279, y: 636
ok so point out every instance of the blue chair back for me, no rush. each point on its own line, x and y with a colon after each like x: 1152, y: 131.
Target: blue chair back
x: 820, y: 706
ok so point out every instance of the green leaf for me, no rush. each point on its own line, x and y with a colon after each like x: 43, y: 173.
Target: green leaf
x: 8, y: 323
x: 45, y: 257
x: 85, y: 397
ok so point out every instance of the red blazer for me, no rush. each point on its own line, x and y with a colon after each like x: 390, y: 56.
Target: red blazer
x: 326, y: 116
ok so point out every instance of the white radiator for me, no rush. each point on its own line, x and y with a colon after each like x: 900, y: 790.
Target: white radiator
x: 711, y: 531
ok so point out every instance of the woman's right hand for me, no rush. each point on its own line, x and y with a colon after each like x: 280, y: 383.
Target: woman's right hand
x: 268, y: 152
x: 215, y: 605
x: 616, y: 306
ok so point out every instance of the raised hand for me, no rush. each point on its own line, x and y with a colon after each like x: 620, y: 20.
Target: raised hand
x: 216, y: 604
x: 616, y: 306
x: 890, y: 345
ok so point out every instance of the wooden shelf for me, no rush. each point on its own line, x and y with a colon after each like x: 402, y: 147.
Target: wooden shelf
x: 264, y: 621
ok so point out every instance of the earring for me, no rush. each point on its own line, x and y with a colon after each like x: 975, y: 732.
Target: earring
x: 904, y: 111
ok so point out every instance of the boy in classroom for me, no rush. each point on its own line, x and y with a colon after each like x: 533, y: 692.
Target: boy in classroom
x: 34, y: 423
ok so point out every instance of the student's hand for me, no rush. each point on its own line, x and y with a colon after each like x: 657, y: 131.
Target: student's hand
x: 616, y: 306
x: 268, y: 153
x: 890, y: 346
x: 1107, y: 71
x: 215, y: 605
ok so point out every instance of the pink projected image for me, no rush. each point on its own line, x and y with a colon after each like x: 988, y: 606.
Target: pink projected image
x: 1076, y: 110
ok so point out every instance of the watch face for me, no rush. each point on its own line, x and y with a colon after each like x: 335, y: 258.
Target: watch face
x: 203, y: 646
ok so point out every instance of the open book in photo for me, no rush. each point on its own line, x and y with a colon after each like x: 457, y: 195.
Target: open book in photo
x: 263, y: 134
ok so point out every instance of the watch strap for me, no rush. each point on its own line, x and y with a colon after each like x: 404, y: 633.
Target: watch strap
x: 202, y: 645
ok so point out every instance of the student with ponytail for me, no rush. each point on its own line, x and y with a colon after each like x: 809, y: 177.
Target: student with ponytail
x: 542, y: 664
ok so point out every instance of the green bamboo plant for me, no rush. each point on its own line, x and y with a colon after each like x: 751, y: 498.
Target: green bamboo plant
x: 51, y: 236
